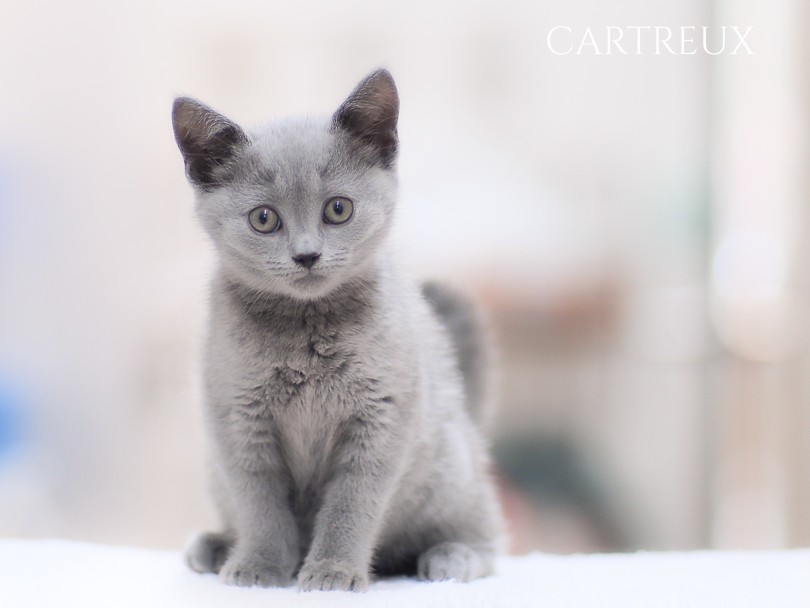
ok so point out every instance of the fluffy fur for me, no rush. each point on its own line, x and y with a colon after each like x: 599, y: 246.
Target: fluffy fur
x: 340, y: 441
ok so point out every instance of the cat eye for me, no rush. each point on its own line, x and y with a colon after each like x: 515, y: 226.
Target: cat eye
x: 338, y: 210
x: 264, y: 220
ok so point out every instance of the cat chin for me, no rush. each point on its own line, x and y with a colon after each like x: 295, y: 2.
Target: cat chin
x: 311, y: 287
x: 306, y: 288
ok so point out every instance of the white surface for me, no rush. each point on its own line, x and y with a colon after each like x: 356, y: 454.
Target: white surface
x: 58, y: 573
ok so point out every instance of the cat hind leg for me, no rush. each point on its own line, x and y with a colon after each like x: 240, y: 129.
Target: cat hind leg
x: 456, y: 561
x: 208, y: 551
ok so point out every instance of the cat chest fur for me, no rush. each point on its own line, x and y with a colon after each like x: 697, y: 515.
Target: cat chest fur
x: 305, y: 367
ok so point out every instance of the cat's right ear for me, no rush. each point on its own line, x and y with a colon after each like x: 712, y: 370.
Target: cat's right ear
x: 207, y: 140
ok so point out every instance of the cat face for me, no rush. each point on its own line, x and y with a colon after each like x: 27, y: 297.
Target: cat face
x: 297, y: 207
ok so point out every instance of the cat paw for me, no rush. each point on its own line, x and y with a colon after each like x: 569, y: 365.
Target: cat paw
x: 329, y: 575
x: 453, y: 561
x: 240, y: 571
x: 208, y: 552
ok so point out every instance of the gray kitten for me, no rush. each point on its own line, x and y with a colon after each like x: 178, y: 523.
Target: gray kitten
x: 343, y: 403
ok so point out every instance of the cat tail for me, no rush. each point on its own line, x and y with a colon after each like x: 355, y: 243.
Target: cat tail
x: 464, y: 323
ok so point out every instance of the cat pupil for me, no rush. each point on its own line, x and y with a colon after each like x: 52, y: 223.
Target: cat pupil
x: 338, y: 207
x: 263, y: 216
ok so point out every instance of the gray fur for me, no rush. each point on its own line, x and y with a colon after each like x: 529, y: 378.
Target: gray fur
x: 471, y: 344
x: 340, y: 442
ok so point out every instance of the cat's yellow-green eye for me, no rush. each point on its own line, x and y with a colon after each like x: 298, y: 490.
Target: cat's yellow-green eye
x: 264, y: 219
x: 338, y: 210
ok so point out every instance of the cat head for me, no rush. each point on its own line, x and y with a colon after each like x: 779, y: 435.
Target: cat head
x: 300, y: 206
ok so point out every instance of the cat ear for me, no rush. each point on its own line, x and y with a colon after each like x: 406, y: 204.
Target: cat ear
x: 207, y: 140
x: 370, y: 114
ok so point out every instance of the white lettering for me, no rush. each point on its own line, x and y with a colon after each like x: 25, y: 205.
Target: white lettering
x: 611, y: 41
x: 551, y: 33
x: 742, y: 39
x: 706, y: 41
x: 585, y: 41
x: 690, y: 40
x: 659, y: 41
x: 638, y: 29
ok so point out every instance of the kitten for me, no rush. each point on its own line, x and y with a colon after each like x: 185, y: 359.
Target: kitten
x: 344, y: 437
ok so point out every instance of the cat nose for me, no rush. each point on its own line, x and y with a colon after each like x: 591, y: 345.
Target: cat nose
x: 307, y: 260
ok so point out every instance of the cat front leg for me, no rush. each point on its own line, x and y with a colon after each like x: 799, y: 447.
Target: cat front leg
x: 345, y: 529
x: 354, y: 502
x: 266, y: 550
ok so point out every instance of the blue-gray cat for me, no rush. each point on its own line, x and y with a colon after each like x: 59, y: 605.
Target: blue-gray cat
x: 343, y: 402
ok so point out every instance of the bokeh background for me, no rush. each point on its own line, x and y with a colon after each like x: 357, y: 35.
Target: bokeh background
x: 635, y: 225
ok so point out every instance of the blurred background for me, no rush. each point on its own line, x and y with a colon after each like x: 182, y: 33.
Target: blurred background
x: 636, y: 226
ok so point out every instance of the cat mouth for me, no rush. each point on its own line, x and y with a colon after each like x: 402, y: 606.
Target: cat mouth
x: 309, y: 279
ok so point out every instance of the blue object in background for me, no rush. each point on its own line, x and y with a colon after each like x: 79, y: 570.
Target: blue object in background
x: 11, y: 399
x: 11, y: 417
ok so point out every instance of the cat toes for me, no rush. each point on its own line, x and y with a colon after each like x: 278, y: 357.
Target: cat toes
x: 453, y: 561
x: 208, y: 552
x: 240, y: 571
x: 328, y: 575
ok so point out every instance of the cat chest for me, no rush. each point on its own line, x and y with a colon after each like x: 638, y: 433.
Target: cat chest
x: 308, y: 424
x: 307, y: 398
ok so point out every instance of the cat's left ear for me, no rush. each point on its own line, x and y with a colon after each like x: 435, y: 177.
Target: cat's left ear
x: 207, y: 140
x: 369, y: 115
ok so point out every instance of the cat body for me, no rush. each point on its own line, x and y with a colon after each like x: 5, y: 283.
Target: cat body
x: 343, y: 435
